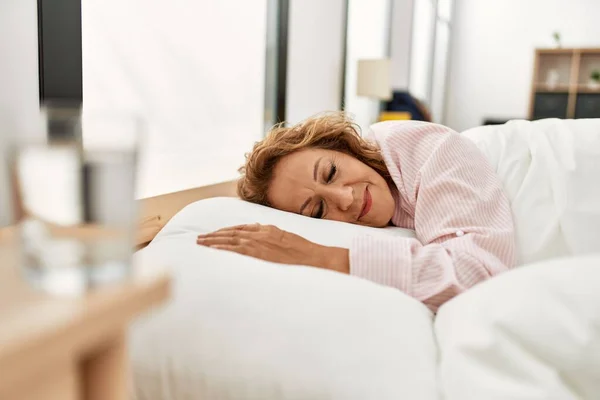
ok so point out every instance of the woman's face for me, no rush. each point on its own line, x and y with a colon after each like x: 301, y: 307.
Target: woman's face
x: 331, y: 185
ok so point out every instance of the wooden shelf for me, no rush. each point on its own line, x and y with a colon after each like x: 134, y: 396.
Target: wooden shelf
x: 587, y: 51
x: 555, y: 51
x: 581, y: 88
x: 587, y: 89
x: 572, y: 68
x: 544, y: 88
x: 569, y: 51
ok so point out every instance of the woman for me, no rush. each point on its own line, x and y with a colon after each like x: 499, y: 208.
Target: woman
x: 413, y: 175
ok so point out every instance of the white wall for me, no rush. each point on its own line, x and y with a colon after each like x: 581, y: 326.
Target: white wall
x: 193, y: 69
x: 315, y: 57
x: 19, y: 94
x: 492, y: 52
x: 400, y: 42
x: 367, y: 38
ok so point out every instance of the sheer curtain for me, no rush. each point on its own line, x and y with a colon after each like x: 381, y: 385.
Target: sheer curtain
x: 194, y: 70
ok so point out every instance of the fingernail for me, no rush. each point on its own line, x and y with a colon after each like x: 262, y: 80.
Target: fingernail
x: 201, y: 236
x: 200, y: 240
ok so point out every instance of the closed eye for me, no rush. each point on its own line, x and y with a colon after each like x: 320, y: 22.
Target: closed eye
x: 321, y: 207
x: 319, y: 213
x: 332, y: 173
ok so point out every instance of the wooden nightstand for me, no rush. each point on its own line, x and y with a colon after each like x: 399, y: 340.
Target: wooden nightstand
x: 67, y: 349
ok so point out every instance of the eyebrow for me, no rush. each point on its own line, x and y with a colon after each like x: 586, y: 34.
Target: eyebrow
x: 315, y: 171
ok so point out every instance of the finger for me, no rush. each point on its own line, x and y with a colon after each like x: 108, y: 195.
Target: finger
x: 222, y: 233
x: 219, y: 240
x: 226, y: 247
x: 237, y: 228
x: 242, y: 234
x: 235, y: 249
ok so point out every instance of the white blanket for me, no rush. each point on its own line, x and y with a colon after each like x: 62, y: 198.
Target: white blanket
x: 531, y: 334
x: 551, y: 172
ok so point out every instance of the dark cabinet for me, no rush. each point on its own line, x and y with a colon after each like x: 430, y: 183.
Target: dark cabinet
x: 550, y: 105
x: 588, y: 105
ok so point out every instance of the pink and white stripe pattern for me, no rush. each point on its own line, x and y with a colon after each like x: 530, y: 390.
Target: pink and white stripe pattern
x: 448, y: 193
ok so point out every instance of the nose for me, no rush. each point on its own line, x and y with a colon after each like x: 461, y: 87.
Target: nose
x: 342, y: 197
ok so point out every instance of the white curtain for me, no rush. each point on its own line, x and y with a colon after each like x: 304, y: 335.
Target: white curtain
x: 194, y: 70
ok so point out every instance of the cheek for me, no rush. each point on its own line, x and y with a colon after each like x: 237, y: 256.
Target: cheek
x: 384, y: 201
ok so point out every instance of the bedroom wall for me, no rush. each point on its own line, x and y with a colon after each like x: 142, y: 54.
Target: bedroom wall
x: 193, y: 69
x: 315, y: 57
x: 492, y: 52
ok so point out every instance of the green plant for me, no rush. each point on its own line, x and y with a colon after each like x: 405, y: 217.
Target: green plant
x: 595, y: 75
x: 556, y: 36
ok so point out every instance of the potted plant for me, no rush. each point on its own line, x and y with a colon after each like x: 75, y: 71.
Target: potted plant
x: 556, y: 36
x: 594, y: 82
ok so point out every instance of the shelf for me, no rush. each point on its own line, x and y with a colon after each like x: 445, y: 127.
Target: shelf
x: 587, y: 89
x: 571, y: 96
x: 586, y: 51
x: 589, y: 64
x: 581, y: 88
x: 544, y: 88
x: 555, y: 51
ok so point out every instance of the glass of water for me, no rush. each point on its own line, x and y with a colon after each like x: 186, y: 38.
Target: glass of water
x: 75, y: 193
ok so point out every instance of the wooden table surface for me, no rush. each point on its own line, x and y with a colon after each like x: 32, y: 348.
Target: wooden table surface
x: 40, y: 333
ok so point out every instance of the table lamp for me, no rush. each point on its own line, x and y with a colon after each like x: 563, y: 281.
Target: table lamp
x: 373, y: 79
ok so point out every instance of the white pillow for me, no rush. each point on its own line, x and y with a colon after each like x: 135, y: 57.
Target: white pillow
x: 532, y: 333
x: 220, y: 212
x: 241, y: 328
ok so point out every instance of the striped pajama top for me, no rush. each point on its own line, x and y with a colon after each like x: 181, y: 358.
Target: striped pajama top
x: 449, y: 194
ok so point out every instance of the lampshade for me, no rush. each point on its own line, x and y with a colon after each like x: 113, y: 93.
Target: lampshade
x: 373, y: 79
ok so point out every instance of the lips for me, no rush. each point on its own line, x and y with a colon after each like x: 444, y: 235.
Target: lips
x: 367, y: 203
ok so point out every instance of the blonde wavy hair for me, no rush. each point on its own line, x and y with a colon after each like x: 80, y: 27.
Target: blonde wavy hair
x: 330, y: 131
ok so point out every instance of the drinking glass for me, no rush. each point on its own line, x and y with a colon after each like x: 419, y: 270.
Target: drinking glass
x: 75, y: 196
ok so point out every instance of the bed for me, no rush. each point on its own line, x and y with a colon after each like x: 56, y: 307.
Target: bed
x: 241, y: 328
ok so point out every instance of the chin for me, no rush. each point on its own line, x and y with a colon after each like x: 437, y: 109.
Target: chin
x: 374, y: 224
x: 380, y: 224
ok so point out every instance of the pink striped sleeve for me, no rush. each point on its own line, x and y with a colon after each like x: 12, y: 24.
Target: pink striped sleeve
x: 461, y: 216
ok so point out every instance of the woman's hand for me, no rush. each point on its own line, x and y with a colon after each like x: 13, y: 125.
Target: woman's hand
x: 270, y: 243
